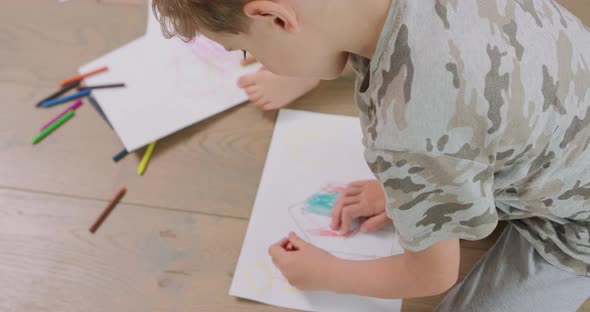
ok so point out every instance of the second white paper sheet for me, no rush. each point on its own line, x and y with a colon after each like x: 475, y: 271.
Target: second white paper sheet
x: 312, y: 157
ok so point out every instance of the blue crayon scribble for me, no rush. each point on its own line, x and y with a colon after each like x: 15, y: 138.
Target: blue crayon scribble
x: 321, y: 203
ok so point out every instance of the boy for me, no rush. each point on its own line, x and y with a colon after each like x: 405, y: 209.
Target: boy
x: 472, y: 112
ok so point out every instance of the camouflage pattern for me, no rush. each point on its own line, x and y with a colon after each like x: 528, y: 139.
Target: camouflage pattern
x: 479, y: 111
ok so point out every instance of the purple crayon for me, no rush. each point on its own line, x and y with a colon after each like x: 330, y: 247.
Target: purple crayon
x: 71, y: 107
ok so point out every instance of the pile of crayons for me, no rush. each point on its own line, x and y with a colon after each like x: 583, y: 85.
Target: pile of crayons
x: 82, y: 91
x: 73, y: 83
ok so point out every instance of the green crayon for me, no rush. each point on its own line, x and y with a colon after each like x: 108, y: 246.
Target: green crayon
x: 53, y: 126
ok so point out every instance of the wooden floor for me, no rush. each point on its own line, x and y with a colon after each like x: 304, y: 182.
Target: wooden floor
x: 174, y: 242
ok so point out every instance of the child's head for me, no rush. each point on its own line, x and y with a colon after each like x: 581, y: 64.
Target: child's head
x: 284, y: 35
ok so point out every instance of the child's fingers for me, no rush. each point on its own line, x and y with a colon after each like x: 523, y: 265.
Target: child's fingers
x: 297, y: 242
x: 375, y: 223
x: 289, y: 246
x: 336, y: 214
x: 349, y: 213
x: 358, y: 183
x: 352, y: 191
x: 275, y: 250
x: 281, y: 243
x: 349, y: 200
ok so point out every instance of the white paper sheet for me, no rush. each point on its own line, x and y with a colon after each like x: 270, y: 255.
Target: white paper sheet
x: 311, y: 157
x: 170, y: 85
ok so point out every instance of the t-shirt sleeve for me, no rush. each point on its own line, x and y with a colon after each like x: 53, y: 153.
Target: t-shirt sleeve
x: 433, y: 197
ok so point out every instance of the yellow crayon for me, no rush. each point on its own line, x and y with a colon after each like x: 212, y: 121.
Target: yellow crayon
x: 146, y: 158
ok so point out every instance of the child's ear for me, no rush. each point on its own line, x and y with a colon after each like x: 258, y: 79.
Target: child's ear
x: 281, y: 14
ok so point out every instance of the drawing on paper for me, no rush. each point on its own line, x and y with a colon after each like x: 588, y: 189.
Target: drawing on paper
x: 212, y: 53
x: 312, y: 218
x: 314, y: 215
x: 201, y: 58
x: 308, y: 151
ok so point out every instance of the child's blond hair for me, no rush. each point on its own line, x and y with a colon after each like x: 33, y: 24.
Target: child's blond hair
x: 185, y: 17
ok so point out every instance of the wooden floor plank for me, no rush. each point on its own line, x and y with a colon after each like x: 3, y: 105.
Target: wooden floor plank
x: 141, y: 259
x: 580, y: 8
x: 44, y: 42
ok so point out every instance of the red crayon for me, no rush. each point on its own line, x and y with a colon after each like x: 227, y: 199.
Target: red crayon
x: 107, y: 210
x: 288, y: 246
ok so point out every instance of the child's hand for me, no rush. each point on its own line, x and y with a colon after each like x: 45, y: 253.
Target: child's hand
x: 360, y: 199
x: 306, y: 267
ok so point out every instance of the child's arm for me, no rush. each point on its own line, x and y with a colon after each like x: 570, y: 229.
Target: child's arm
x: 426, y: 273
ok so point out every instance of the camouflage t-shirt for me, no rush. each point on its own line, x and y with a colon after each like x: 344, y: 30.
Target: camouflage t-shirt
x: 478, y: 111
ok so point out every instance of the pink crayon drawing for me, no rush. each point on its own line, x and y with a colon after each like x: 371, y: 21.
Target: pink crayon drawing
x: 215, y: 62
x: 331, y: 233
x: 314, y: 215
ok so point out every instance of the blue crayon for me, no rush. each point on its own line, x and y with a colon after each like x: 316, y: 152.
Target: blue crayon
x: 120, y: 155
x: 64, y: 99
